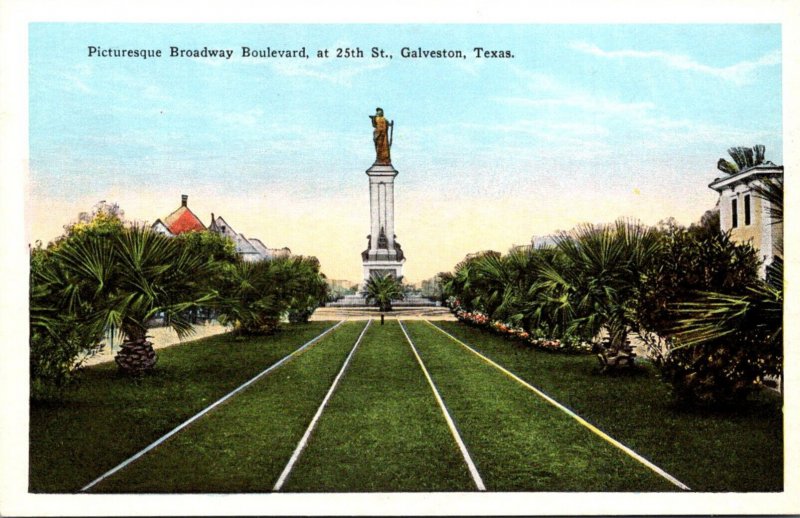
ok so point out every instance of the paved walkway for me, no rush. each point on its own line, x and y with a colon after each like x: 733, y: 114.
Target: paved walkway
x: 166, y: 337
x: 161, y: 337
x: 356, y: 313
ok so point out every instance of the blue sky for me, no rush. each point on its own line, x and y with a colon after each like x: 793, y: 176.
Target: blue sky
x: 585, y: 123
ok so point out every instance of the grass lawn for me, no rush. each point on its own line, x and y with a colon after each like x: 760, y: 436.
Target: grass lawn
x: 382, y: 429
x: 244, y: 445
x: 108, y: 417
x: 737, y: 451
x: 517, y: 440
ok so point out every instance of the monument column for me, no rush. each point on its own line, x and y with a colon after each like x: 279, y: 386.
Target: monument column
x: 390, y: 213
x: 384, y: 255
x: 374, y: 215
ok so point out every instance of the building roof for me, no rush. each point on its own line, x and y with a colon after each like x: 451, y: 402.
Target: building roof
x: 243, y: 246
x: 183, y: 219
x: 767, y: 169
x: 261, y: 247
x: 160, y: 227
x: 219, y: 224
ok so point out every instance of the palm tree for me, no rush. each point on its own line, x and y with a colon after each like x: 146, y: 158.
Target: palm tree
x: 718, y: 315
x: 742, y: 332
x: 504, y: 282
x: 472, y: 284
x: 59, y: 339
x: 252, y: 299
x: 771, y: 191
x: 129, y: 280
x: 592, y: 281
x: 743, y: 158
x: 382, y: 290
x: 256, y: 295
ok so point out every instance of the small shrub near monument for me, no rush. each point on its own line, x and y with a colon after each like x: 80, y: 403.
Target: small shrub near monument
x: 381, y: 290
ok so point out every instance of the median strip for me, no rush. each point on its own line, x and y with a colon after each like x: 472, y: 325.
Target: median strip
x: 659, y: 471
x: 206, y: 410
x: 476, y: 477
x: 304, y: 440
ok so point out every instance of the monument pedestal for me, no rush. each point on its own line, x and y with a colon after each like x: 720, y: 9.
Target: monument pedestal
x: 383, y: 256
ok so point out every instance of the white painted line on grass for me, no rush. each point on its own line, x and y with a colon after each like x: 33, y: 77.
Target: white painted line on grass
x: 209, y: 408
x: 304, y: 440
x: 569, y: 412
x: 476, y: 477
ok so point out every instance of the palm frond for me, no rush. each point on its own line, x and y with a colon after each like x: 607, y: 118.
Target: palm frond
x: 727, y: 167
x: 714, y: 316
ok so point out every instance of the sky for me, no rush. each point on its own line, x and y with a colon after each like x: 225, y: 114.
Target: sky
x: 585, y: 123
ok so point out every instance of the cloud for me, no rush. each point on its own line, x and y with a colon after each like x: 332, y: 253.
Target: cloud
x: 545, y: 91
x: 584, y: 101
x: 570, y: 118
x: 249, y: 118
x: 324, y: 71
x: 76, y: 79
x: 738, y: 73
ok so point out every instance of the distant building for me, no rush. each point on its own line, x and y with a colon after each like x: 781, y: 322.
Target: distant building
x: 260, y: 247
x: 244, y: 247
x: 181, y: 220
x: 161, y: 228
x: 341, y: 284
x: 184, y: 220
x: 543, y: 241
x: 746, y: 215
x: 275, y: 253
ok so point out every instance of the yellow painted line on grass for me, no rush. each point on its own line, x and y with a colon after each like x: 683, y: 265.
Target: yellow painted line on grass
x: 476, y: 477
x: 569, y: 412
x: 207, y: 409
x: 304, y: 440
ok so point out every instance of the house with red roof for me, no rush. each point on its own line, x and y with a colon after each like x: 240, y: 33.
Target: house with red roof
x: 184, y: 220
x: 181, y: 220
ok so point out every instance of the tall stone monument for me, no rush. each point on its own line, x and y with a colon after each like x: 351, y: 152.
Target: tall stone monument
x: 383, y: 254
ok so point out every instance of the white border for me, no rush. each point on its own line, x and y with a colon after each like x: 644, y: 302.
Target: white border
x: 14, y: 17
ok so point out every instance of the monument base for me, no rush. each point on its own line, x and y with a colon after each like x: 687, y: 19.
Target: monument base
x: 389, y: 267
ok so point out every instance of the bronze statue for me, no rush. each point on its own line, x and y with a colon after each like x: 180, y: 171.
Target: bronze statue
x: 382, y: 136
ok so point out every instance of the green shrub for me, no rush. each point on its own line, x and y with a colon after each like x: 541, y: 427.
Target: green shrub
x: 701, y: 284
x: 256, y: 295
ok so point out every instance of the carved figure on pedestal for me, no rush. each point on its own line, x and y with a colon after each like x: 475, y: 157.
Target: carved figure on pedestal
x: 382, y: 136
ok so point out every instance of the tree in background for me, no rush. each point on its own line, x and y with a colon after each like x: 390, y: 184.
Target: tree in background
x: 310, y: 290
x: 258, y: 294
x: 381, y: 290
x: 432, y: 288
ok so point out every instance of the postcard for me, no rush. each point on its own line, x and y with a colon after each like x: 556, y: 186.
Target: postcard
x: 298, y: 264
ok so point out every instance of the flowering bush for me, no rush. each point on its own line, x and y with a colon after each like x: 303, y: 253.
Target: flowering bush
x: 514, y: 332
